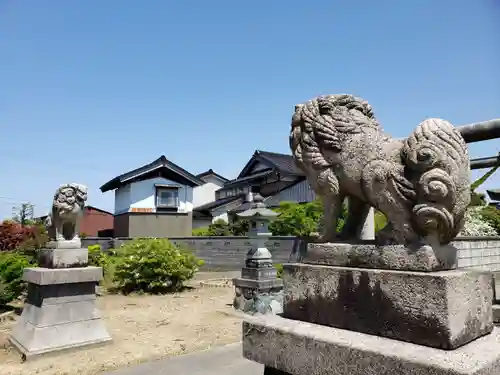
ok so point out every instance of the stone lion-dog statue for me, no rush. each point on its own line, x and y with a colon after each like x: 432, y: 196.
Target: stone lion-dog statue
x: 421, y: 183
x: 67, y: 211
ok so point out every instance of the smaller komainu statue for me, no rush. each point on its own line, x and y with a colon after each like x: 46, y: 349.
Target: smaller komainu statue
x: 67, y: 211
x: 421, y: 183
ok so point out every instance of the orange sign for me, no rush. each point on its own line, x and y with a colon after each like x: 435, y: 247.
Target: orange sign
x: 138, y: 209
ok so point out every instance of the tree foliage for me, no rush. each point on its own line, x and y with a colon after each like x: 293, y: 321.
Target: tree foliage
x: 222, y: 228
x: 297, y: 219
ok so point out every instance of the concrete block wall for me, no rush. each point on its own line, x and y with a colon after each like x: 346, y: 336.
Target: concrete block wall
x: 228, y: 253
x: 220, y: 253
x: 479, y: 252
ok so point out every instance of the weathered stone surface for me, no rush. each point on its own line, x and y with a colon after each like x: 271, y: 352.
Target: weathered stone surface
x: 258, y: 273
x: 52, y: 314
x: 65, y: 244
x: 369, y: 255
x: 32, y: 340
x: 301, y: 348
x: 59, y: 312
x: 258, y: 284
x: 421, y: 183
x: 53, y: 294
x: 47, y: 276
x: 63, y: 257
x: 442, y: 309
x: 253, y: 301
x: 67, y: 211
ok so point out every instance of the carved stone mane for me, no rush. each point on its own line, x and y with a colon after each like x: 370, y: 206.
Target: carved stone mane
x: 67, y: 209
x: 421, y: 183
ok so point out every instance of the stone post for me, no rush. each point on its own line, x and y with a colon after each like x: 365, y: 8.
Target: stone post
x: 59, y: 312
x: 258, y: 290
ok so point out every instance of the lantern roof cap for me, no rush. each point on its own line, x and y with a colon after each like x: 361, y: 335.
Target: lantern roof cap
x: 258, y: 209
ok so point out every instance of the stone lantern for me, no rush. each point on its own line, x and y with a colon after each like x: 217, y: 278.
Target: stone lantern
x: 258, y: 290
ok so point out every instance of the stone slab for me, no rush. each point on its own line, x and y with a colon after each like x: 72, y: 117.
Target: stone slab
x: 53, y: 314
x: 220, y: 360
x: 63, y: 258
x: 444, y: 309
x: 33, y: 341
x: 370, y: 255
x: 54, y: 294
x: 301, y: 348
x: 47, y: 276
x: 258, y: 273
x: 66, y: 244
x: 258, y: 284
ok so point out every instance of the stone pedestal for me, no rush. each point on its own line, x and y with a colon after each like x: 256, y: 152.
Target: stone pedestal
x: 60, y: 311
x: 347, y: 320
x: 258, y: 291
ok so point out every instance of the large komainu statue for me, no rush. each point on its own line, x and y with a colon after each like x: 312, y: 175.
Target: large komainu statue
x: 67, y: 211
x: 422, y: 183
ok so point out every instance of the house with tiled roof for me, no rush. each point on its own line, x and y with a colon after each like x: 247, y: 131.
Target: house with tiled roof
x: 154, y: 200
x: 274, y: 175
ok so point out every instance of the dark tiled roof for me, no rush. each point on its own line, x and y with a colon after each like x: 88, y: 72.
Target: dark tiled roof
x: 159, y: 164
x: 219, y: 202
x: 283, y: 162
x: 249, y: 179
x: 211, y: 172
x: 494, y: 194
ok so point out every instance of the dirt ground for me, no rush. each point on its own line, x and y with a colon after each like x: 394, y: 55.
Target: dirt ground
x: 143, y: 328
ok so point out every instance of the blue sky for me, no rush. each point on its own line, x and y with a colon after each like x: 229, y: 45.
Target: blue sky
x: 91, y: 89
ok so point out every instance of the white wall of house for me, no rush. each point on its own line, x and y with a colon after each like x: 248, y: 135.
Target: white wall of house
x: 206, y: 193
x: 122, y: 199
x: 221, y: 211
x: 142, y: 194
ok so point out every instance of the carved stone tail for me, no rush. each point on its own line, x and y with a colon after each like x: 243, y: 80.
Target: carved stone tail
x: 437, y: 160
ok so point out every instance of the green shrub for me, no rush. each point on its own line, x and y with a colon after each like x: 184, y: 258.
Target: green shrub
x: 219, y: 228
x: 279, y: 269
x: 11, y: 276
x: 491, y: 215
x: 153, y: 266
x: 222, y: 228
x: 380, y: 221
x: 106, y: 260
x: 201, y: 232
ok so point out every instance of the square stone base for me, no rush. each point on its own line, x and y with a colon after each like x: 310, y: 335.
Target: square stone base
x: 258, y: 296
x: 298, y: 348
x: 59, y: 312
x: 444, y: 309
x: 63, y: 258
x: 423, y: 258
x: 65, y: 244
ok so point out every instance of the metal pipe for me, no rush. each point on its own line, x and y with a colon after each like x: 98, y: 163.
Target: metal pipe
x: 481, y: 131
x: 481, y: 163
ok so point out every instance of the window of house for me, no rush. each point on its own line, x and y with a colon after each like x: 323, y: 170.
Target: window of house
x: 167, y: 197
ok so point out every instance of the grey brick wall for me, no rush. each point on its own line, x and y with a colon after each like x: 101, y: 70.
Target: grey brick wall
x: 228, y: 253
x: 219, y: 253
x: 481, y: 253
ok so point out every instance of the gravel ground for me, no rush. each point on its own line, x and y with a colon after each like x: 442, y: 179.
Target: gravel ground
x: 143, y: 328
